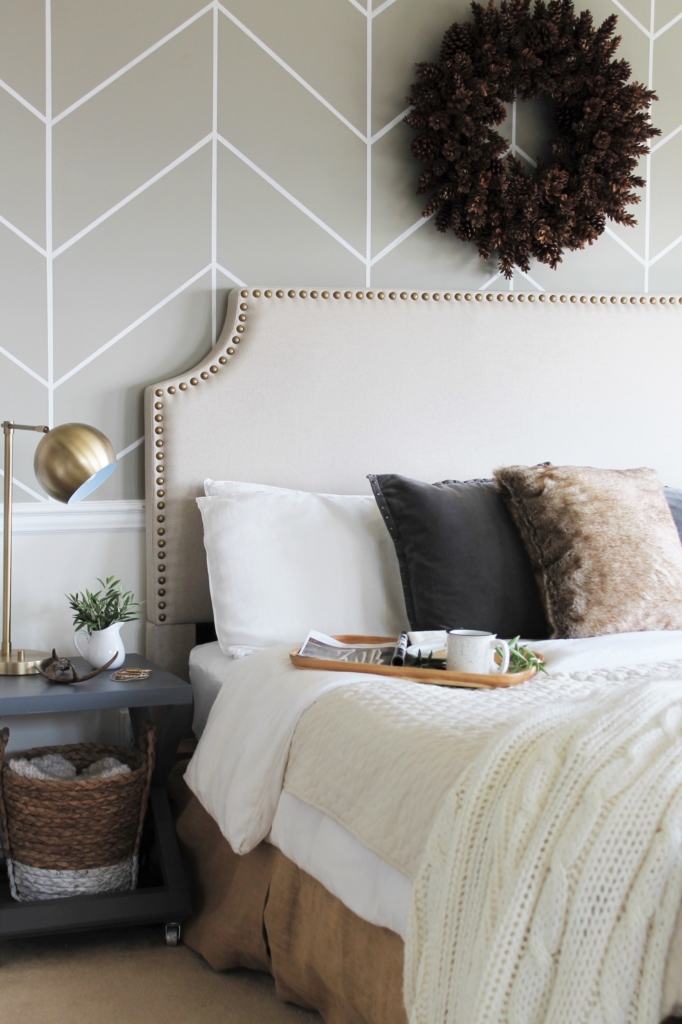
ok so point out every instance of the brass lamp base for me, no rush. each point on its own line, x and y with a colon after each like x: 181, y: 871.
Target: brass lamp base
x: 22, y: 662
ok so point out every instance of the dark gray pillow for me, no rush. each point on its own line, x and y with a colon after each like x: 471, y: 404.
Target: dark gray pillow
x: 461, y: 558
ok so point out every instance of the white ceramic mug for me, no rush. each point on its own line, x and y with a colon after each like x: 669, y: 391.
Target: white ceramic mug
x: 102, y: 644
x: 473, y: 650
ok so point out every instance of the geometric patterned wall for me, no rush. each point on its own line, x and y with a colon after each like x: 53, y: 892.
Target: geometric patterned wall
x: 153, y: 153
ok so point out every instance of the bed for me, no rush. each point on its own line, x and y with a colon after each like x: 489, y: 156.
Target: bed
x: 313, y: 389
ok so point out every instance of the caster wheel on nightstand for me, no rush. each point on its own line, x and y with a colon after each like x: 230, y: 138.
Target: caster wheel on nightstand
x: 173, y: 934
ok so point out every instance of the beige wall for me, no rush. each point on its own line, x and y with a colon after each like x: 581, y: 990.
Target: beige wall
x: 155, y: 152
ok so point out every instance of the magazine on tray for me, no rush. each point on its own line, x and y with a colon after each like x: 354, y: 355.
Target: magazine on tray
x: 319, y: 645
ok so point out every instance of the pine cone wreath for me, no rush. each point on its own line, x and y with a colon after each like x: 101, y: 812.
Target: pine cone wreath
x: 483, y: 193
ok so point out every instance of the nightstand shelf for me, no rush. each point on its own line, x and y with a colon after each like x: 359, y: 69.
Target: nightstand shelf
x: 164, y: 899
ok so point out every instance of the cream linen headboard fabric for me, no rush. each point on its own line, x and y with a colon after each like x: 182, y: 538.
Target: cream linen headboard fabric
x: 315, y: 389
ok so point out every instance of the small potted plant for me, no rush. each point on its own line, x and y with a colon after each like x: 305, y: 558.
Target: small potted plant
x: 98, y: 619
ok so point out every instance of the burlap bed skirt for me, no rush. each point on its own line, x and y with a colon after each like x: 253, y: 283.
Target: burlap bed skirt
x: 261, y: 911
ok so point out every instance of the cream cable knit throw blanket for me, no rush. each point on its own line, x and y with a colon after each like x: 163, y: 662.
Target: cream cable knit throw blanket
x: 553, y: 874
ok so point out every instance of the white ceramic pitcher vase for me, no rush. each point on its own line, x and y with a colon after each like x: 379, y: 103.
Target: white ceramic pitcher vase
x: 100, y: 645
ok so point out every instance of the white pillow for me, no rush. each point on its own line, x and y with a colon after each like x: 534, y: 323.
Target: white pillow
x: 226, y: 488
x: 282, y: 562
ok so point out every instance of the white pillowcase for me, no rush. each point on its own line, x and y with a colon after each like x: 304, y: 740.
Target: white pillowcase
x: 282, y: 562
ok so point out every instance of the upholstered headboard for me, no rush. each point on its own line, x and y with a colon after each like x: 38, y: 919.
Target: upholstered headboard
x: 316, y: 388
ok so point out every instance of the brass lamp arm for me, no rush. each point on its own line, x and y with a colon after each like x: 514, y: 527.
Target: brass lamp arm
x: 9, y: 425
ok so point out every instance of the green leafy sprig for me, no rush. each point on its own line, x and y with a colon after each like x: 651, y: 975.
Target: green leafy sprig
x: 104, y: 607
x: 427, y: 661
x: 521, y: 658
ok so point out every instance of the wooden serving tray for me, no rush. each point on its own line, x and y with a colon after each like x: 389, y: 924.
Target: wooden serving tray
x: 431, y: 676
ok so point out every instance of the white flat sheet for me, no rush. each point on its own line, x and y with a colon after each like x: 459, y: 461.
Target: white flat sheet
x: 364, y: 882
x: 209, y: 670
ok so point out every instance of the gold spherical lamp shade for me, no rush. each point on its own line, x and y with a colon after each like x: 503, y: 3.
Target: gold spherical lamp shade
x: 72, y: 460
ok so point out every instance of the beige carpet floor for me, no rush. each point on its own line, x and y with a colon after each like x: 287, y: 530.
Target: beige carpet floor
x: 130, y: 977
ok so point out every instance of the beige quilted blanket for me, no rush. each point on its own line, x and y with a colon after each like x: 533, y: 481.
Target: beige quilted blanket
x: 380, y: 758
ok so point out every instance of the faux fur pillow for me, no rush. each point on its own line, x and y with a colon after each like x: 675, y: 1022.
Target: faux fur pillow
x: 604, y: 547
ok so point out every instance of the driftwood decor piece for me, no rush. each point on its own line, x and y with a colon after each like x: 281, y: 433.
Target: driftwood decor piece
x: 60, y: 670
x: 510, y: 52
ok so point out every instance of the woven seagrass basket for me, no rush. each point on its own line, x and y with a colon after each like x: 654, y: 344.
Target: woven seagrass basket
x: 76, y: 836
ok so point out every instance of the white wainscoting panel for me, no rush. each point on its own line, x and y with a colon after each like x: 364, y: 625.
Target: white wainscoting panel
x: 94, y: 516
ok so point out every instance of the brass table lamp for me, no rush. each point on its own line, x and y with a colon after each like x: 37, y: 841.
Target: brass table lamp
x: 71, y: 461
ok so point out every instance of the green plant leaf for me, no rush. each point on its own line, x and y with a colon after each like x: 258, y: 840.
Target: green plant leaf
x: 521, y: 658
x: 106, y: 606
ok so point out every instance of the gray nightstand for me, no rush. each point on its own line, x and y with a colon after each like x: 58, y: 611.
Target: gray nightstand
x: 162, y: 898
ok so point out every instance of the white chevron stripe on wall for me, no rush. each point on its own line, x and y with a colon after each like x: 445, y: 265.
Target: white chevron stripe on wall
x: 162, y: 152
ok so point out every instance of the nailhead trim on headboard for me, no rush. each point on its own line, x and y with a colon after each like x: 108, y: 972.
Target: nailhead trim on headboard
x: 229, y: 352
